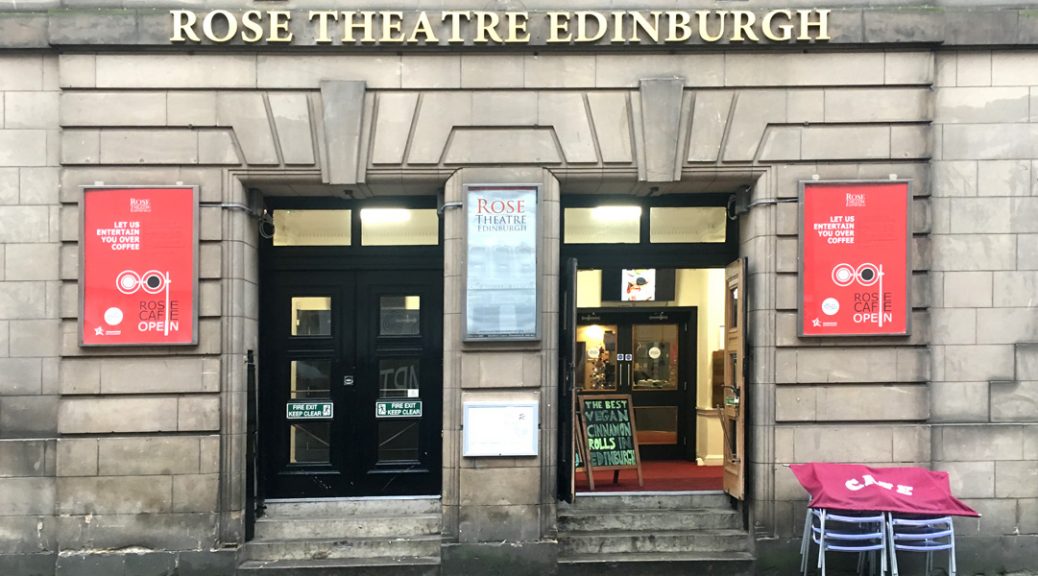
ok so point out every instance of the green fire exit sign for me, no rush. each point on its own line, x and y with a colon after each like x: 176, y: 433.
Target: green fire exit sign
x: 309, y: 410
x: 398, y: 409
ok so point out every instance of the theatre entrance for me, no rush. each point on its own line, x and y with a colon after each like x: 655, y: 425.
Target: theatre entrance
x: 350, y: 388
x: 651, y: 299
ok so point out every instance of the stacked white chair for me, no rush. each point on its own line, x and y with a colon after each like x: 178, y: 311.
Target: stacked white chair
x: 864, y: 534
x: 915, y: 534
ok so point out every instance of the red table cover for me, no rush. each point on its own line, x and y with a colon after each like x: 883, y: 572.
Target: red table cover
x: 907, y: 490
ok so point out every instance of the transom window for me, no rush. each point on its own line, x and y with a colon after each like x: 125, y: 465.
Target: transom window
x: 675, y: 224
x: 657, y: 221
x: 382, y: 225
x: 312, y: 227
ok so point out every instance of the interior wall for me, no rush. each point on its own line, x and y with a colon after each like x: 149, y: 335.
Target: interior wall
x: 704, y: 289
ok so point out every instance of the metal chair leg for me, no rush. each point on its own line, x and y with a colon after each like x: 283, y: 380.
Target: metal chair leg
x: 890, y: 540
x: 821, y: 545
x: 805, y: 544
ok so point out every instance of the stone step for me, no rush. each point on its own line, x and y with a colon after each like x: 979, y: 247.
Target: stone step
x: 349, y: 526
x: 657, y: 501
x: 342, y: 567
x: 655, y: 564
x: 637, y: 541
x: 342, y: 507
x: 352, y: 548
x: 649, y: 519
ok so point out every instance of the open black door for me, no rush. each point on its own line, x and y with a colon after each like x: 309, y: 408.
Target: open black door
x: 567, y: 366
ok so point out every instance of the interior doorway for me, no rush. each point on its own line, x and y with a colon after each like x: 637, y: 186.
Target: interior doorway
x: 648, y: 354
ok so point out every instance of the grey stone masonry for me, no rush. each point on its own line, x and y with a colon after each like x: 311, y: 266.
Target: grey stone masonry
x: 30, y: 326
x: 144, y: 448
x: 984, y: 353
x: 606, y: 124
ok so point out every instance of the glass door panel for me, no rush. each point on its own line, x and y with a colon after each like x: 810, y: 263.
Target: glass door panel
x: 398, y: 441
x: 400, y: 315
x: 657, y: 425
x: 656, y: 357
x: 311, y: 316
x: 310, y: 379
x: 596, y: 353
x: 309, y: 443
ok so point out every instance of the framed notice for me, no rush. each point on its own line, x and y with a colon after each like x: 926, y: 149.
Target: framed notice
x: 500, y: 428
x: 139, y: 266
x: 854, y: 268
x: 501, y: 274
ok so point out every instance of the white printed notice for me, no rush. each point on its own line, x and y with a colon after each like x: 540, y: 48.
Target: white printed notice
x: 499, y: 428
x: 501, y: 263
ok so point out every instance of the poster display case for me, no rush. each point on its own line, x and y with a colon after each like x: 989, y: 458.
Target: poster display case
x: 139, y: 266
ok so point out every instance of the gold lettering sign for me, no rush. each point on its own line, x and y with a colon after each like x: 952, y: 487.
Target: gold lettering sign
x: 476, y: 27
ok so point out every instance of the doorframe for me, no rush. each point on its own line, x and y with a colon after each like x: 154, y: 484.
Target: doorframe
x: 688, y: 344
x: 644, y: 254
x: 355, y: 258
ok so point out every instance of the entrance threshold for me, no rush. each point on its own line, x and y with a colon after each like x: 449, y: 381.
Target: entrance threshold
x: 650, y: 493
x: 350, y: 499
x: 667, y: 476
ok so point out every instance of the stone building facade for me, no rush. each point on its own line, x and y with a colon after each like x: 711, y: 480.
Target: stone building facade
x: 135, y: 459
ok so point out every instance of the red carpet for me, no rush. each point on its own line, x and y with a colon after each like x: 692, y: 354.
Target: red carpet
x: 659, y: 475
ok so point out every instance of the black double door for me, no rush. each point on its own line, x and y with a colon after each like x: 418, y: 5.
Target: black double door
x: 351, y: 383
x: 649, y: 354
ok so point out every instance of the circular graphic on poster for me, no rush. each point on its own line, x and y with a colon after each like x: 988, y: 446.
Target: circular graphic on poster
x: 868, y: 274
x: 843, y: 274
x: 830, y: 306
x: 153, y: 281
x: 127, y: 282
x: 654, y: 352
x: 113, y: 316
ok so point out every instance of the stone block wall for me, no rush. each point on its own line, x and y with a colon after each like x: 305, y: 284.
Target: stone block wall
x: 984, y: 397
x: 490, y: 500
x: 163, y: 428
x: 30, y: 325
x: 715, y: 123
x: 146, y: 435
x: 830, y: 399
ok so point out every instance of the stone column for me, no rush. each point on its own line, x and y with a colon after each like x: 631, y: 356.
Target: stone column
x: 488, y: 501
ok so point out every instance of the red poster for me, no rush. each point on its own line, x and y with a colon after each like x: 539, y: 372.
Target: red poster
x: 854, y: 269
x: 139, y: 269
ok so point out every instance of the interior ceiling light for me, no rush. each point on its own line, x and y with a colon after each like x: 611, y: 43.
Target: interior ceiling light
x: 594, y: 333
x: 616, y: 213
x: 384, y: 215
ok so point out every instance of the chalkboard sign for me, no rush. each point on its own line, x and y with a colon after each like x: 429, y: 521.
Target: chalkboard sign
x: 610, y: 434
